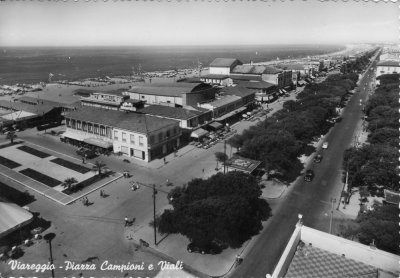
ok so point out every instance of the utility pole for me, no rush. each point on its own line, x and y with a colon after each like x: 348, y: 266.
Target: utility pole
x: 154, y: 214
x: 224, y: 155
x: 333, y: 200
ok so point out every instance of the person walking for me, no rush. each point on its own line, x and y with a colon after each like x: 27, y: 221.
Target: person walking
x: 126, y: 221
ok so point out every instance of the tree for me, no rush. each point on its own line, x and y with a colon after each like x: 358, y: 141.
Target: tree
x: 98, y: 166
x: 221, y: 157
x: 11, y: 136
x: 381, y: 226
x: 235, y: 141
x: 224, y: 208
x: 69, y: 183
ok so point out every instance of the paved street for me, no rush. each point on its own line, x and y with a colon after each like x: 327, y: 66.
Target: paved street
x: 310, y: 199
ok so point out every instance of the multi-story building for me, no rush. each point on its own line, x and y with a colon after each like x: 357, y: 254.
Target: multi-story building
x: 172, y: 94
x: 107, y: 100
x: 279, y: 77
x: 223, y: 66
x: 387, y: 67
x: 134, y: 135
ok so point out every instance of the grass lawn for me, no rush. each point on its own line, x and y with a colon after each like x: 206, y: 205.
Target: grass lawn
x: 16, y: 196
x: 9, y: 144
x: 49, y: 181
x: 84, y: 184
x: 70, y: 165
x: 8, y: 163
x: 33, y: 151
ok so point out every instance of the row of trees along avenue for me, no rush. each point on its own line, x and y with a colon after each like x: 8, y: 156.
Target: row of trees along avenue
x: 373, y: 167
x: 279, y: 140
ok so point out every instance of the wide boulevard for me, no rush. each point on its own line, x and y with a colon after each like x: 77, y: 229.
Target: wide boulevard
x: 311, y: 199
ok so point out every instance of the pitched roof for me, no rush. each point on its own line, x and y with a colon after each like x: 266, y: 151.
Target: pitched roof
x: 170, y: 112
x: 255, y: 84
x: 12, y: 217
x: 255, y: 69
x: 237, y: 91
x: 245, y: 77
x: 224, y: 62
x: 39, y: 109
x: 224, y: 100
x: 129, y: 121
x: 169, y: 89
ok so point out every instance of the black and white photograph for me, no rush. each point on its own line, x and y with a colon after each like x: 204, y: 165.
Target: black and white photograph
x: 182, y: 139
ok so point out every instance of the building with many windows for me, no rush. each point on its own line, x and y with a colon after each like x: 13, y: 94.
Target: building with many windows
x: 179, y: 94
x: 134, y: 135
x: 387, y: 67
x: 107, y: 100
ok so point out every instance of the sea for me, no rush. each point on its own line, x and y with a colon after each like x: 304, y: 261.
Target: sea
x: 30, y: 65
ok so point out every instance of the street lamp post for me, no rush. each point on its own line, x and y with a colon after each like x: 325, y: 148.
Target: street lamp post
x: 333, y: 200
x: 154, y: 214
x: 49, y: 237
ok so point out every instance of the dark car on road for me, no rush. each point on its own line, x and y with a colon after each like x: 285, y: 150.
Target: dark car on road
x: 318, y: 158
x: 309, y: 175
x: 210, y: 248
x: 87, y: 153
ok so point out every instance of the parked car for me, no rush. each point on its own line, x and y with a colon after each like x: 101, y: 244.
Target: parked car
x: 309, y: 175
x: 87, y: 153
x: 318, y: 158
x: 325, y: 145
x: 211, y: 248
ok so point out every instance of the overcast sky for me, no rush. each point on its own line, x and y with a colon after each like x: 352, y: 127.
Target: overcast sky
x: 213, y: 22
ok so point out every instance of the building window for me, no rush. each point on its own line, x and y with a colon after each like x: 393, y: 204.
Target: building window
x: 73, y: 124
x: 123, y: 137
x: 96, y: 129
x: 175, y: 130
x: 132, y: 137
x: 102, y: 131
x: 168, y: 133
x: 141, y: 143
x: 68, y: 121
x: 115, y: 135
x: 152, y: 138
x: 84, y: 126
x: 160, y: 137
x: 90, y: 128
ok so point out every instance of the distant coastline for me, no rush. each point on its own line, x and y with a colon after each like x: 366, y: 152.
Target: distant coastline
x: 32, y: 65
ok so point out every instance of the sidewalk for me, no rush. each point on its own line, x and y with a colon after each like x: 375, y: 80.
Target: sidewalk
x: 174, y: 246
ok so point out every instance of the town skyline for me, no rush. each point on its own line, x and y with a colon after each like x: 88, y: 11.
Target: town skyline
x: 195, y: 23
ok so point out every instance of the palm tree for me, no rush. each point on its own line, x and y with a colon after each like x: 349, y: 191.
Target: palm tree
x: 98, y: 165
x: 69, y: 182
x: 11, y: 136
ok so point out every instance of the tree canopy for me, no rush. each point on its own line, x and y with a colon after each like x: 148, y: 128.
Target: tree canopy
x: 380, y: 226
x: 224, y: 208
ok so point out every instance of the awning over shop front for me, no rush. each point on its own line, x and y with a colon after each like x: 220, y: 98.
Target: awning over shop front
x: 215, y: 125
x: 98, y: 143
x: 71, y: 135
x: 230, y: 114
x: 198, y: 133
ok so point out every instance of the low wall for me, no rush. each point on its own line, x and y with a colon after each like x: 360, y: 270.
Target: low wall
x: 287, y: 255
